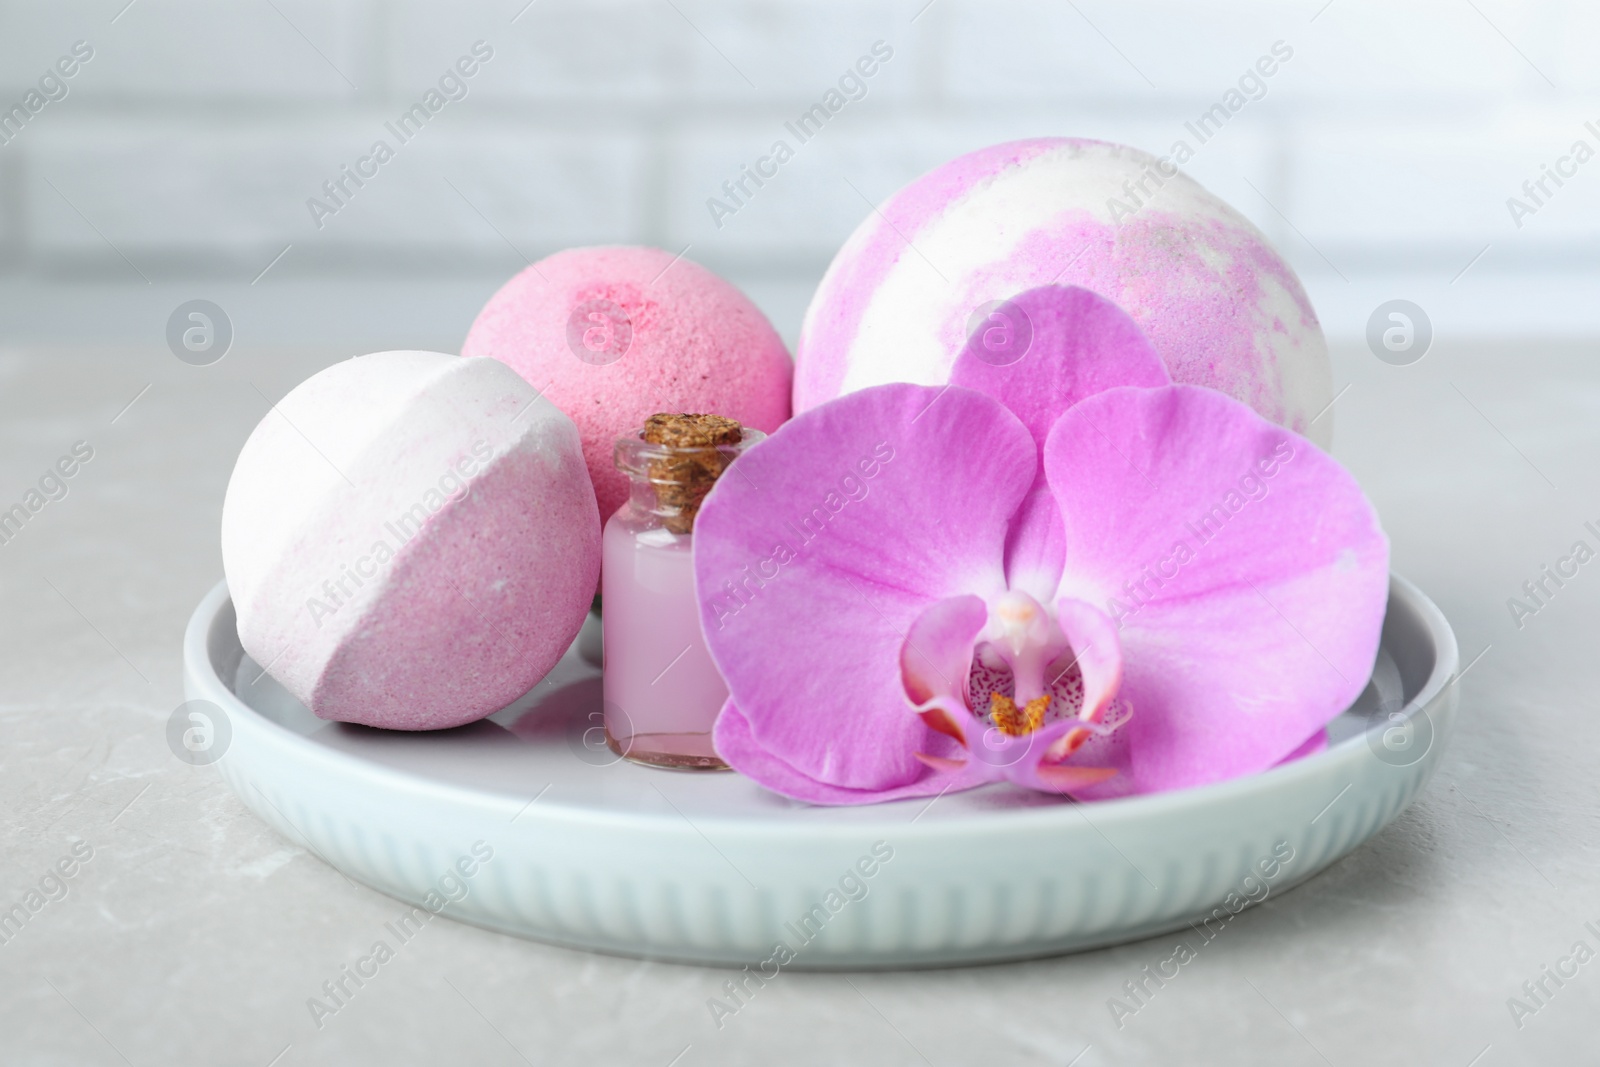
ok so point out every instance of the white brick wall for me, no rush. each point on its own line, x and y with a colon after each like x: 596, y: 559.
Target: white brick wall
x: 609, y: 52
x: 1373, y: 184
x: 189, y: 52
x: 792, y: 52
x: 192, y: 140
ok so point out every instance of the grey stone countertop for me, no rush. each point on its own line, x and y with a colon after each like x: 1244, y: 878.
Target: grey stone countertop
x: 194, y: 934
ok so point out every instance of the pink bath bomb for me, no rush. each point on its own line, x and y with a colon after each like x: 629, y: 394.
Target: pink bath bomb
x: 410, y: 539
x: 1220, y: 305
x: 613, y: 335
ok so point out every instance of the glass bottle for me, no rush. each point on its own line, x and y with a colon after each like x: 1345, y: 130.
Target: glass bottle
x: 662, y: 691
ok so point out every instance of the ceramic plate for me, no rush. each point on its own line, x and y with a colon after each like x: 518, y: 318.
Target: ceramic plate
x: 526, y: 823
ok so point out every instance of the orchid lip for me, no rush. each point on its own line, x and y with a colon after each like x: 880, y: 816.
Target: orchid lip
x: 1021, y: 704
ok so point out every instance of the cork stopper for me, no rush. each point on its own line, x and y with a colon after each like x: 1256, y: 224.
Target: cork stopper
x: 693, y: 456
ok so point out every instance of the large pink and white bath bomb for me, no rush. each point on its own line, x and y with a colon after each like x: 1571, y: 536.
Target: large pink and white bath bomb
x: 614, y: 335
x: 1220, y: 305
x: 410, y: 539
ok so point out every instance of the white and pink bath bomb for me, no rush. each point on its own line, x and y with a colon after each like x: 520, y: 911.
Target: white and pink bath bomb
x: 411, y: 540
x: 614, y: 335
x: 1220, y: 305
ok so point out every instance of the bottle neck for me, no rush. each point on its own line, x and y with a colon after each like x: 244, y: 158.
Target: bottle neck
x: 667, y: 483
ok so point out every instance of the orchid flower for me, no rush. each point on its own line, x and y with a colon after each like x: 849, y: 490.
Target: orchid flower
x: 1060, y: 570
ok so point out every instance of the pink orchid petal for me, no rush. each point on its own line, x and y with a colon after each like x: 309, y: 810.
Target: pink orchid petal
x: 1111, y: 751
x: 1062, y: 778
x: 942, y: 763
x: 936, y: 655
x: 1317, y: 742
x: 1096, y: 649
x: 1066, y: 745
x: 1034, y: 760
x: 1036, y: 545
x: 818, y: 550
x: 1015, y: 755
x: 1246, y: 569
x: 1081, y: 344
x: 935, y: 661
x: 951, y: 724
x: 738, y: 746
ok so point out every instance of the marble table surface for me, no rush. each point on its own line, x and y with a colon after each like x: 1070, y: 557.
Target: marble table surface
x: 192, y: 933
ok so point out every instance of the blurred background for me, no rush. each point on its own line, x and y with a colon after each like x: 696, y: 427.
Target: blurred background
x: 178, y: 161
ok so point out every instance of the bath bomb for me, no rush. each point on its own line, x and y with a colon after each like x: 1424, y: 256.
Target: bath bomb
x: 614, y: 335
x: 1218, y: 303
x: 410, y: 539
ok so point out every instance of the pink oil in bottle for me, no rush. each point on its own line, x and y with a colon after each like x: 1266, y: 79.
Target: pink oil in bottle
x: 662, y: 690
